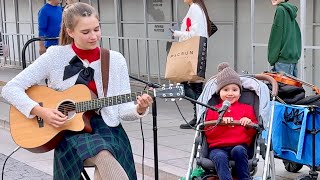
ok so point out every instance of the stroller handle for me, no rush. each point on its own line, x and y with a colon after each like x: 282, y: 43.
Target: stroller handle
x: 270, y: 79
x: 234, y: 123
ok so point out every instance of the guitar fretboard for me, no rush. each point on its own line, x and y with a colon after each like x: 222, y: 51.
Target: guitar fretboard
x: 108, y: 101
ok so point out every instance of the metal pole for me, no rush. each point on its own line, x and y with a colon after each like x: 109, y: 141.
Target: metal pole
x: 303, y: 37
x: 31, y: 16
x: 1, y: 17
x: 235, y: 35
x: 193, y: 151
x: 176, y: 13
x: 266, y: 166
x: 252, y: 34
x: 116, y: 18
x: 16, y: 14
x: 313, y: 41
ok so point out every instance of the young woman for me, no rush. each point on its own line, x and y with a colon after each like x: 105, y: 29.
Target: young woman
x: 195, y: 23
x: 227, y: 142
x: 107, y: 147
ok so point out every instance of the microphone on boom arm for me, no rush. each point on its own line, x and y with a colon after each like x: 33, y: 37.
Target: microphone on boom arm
x: 225, y: 105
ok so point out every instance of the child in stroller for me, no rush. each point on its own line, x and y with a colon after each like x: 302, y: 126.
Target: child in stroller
x: 255, y: 93
x: 230, y: 142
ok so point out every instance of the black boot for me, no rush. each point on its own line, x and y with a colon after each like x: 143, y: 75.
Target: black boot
x: 191, y: 123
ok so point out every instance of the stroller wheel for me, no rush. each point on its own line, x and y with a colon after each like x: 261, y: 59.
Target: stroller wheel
x: 292, y: 166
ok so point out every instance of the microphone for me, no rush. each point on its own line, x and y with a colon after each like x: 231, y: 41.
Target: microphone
x: 225, y: 105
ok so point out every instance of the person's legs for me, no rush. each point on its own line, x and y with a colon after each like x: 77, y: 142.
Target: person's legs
x: 290, y: 69
x: 192, y: 90
x: 240, y: 156
x: 106, y: 166
x: 197, y: 89
x: 295, y: 70
x: 220, y: 159
x: 188, y: 91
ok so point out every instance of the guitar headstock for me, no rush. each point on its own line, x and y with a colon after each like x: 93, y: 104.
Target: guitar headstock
x: 170, y: 91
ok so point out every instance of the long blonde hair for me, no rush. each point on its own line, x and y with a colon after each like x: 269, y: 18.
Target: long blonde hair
x: 70, y: 17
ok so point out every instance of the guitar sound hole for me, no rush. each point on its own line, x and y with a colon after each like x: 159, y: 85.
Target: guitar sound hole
x: 67, y: 108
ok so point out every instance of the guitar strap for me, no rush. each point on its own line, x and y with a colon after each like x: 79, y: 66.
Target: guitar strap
x: 105, y: 59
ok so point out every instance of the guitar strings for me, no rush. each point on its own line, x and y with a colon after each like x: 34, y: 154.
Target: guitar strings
x: 71, y: 106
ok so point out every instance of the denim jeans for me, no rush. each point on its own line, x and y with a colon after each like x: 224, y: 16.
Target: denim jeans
x: 290, y: 69
x: 220, y: 158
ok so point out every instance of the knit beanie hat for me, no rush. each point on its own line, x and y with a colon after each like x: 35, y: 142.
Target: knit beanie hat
x: 226, y: 76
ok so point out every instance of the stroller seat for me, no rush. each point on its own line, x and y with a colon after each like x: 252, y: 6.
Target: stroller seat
x: 247, y: 97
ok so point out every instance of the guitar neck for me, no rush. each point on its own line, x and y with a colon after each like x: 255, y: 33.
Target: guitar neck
x: 303, y: 82
x: 108, y: 101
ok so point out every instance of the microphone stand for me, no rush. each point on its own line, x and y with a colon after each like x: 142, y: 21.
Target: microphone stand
x: 155, y: 128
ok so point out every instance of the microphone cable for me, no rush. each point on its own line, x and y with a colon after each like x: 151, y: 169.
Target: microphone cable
x: 143, y: 143
x: 16, y: 149
x: 143, y: 148
x: 194, y: 128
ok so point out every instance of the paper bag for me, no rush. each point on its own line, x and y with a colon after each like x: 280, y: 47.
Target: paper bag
x: 186, y: 60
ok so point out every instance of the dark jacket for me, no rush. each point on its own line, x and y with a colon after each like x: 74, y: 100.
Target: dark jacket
x: 285, y: 38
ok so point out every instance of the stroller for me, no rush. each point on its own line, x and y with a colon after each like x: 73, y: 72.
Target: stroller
x: 254, y: 93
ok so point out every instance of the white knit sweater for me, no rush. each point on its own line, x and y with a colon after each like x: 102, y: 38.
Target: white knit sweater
x: 198, y: 24
x: 51, y: 66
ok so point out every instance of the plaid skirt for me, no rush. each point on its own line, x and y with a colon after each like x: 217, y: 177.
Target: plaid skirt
x: 75, y: 148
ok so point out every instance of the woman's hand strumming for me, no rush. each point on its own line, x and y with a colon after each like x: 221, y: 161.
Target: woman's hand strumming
x: 51, y: 116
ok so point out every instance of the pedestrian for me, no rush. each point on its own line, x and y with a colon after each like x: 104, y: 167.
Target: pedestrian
x: 107, y: 147
x: 49, y: 23
x: 230, y: 142
x: 195, y: 23
x: 284, y: 47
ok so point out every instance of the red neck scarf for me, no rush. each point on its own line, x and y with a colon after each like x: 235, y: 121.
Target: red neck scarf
x: 90, y: 55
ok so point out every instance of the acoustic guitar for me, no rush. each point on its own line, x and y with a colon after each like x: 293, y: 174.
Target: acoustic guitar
x: 76, y: 102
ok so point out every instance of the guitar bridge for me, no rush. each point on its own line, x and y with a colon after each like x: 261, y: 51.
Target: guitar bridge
x: 40, y: 122
x: 39, y: 119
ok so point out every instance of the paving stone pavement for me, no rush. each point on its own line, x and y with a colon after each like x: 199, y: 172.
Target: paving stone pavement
x: 16, y: 170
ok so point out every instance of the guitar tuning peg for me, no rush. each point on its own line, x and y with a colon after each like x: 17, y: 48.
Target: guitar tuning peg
x: 172, y: 99
x: 163, y: 85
